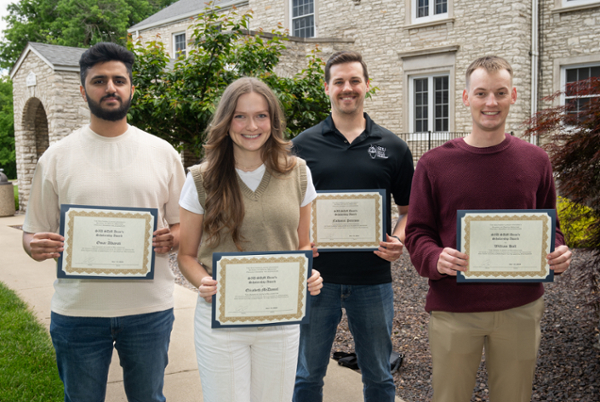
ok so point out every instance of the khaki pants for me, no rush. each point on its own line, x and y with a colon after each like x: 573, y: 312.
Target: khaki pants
x: 511, y: 339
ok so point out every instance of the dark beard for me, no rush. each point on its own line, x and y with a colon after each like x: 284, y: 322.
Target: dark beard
x: 110, y: 115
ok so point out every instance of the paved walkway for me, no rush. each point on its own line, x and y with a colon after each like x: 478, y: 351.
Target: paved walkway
x: 33, y: 283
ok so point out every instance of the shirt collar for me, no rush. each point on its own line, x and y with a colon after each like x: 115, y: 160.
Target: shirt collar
x: 371, y: 129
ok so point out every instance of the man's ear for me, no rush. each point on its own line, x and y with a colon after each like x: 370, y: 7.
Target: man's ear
x: 465, y: 98
x: 326, y: 89
x: 513, y: 96
x: 82, y: 92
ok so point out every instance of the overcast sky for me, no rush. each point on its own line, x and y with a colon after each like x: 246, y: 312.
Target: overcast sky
x: 3, y: 4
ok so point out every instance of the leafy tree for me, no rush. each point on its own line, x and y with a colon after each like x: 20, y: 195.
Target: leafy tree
x: 572, y: 138
x: 176, y: 102
x: 7, y: 129
x: 78, y: 23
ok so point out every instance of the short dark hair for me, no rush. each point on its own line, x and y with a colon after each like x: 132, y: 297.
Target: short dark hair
x: 101, y: 53
x: 345, y: 56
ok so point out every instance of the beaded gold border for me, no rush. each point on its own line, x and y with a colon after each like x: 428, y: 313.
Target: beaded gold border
x: 350, y: 196
x: 542, y: 273
x: 223, y: 268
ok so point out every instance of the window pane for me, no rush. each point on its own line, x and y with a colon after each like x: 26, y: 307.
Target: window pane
x: 584, y: 73
x: 302, y: 7
x: 303, y: 20
x: 440, y: 87
x: 422, y: 8
x: 304, y: 27
x: 441, y: 6
x: 180, y: 45
x: 571, y: 75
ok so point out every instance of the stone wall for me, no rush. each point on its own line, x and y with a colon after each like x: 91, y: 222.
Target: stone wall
x: 44, y: 113
x: 569, y: 37
x: 388, y: 40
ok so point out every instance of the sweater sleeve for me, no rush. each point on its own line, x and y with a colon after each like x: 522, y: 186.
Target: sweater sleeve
x: 422, y: 239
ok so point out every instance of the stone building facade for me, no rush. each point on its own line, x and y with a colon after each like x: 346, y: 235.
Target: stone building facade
x: 416, y: 58
x: 47, y: 105
x: 413, y: 53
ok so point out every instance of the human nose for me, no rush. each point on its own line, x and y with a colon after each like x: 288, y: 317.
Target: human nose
x: 347, y: 86
x: 491, y: 100
x: 110, y: 87
x: 251, y: 125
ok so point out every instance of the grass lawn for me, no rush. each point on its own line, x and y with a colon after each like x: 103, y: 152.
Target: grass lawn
x: 28, y: 370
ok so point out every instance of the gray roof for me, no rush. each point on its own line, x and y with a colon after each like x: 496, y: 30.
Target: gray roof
x: 63, y: 58
x: 181, y: 10
x: 59, y: 55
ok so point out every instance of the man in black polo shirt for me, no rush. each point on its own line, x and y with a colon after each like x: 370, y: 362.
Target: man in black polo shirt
x: 348, y: 151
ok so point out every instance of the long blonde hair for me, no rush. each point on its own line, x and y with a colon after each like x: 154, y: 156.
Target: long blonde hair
x: 224, y: 207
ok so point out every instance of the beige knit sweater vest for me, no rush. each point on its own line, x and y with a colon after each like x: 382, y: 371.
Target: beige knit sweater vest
x: 272, y: 213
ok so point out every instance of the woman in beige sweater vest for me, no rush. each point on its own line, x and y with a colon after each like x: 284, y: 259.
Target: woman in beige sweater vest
x: 249, y: 194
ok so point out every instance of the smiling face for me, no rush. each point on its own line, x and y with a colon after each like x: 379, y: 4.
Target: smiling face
x: 250, y: 127
x: 489, y: 96
x: 347, y: 89
x: 108, y: 90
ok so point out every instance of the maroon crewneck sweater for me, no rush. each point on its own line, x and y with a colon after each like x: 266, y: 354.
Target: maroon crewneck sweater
x: 511, y: 175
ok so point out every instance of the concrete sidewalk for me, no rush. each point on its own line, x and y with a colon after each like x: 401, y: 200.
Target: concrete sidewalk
x: 33, y: 282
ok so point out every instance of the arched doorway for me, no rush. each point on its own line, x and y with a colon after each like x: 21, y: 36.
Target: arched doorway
x: 35, y: 137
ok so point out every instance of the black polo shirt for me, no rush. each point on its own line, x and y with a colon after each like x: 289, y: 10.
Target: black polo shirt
x: 377, y: 159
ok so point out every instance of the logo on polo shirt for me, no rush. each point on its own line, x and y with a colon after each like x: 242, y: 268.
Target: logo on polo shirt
x: 376, y: 151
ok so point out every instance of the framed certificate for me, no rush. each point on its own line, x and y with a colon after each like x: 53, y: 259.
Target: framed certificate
x: 107, y: 242
x: 348, y: 220
x: 506, y: 245
x: 260, y: 289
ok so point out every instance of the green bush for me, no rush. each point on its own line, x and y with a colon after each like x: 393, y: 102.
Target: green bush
x: 575, y: 220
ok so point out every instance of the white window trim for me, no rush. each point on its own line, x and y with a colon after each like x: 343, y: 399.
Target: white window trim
x: 432, y: 17
x: 574, y: 3
x: 290, y: 13
x: 173, y: 36
x: 430, y: 107
x: 563, y: 78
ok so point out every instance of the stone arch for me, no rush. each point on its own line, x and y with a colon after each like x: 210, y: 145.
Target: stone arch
x: 35, y: 127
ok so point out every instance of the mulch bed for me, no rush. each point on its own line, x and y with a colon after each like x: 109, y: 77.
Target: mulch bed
x: 568, y: 366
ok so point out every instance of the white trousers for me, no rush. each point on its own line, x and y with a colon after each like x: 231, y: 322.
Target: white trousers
x: 255, y: 364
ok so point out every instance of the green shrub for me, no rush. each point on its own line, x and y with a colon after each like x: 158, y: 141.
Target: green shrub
x: 16, y: 188
x: 575, y: 220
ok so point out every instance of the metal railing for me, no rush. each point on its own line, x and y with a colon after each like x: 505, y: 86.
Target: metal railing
x: 419, y: 143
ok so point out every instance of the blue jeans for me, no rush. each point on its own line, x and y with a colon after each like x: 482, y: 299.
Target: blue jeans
x: 84, y: 347
x: 370, y: 311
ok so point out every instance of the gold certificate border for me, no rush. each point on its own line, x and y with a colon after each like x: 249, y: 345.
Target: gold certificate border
x: 542, y: 273
x: 223, y: 265
x: 68, y: 267
x: 354, y: 196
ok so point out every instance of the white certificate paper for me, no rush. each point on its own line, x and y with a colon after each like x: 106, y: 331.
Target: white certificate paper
x: 258, y: 289
x: 348, y: 220
x: 506, y: 245
x: 107, y: 242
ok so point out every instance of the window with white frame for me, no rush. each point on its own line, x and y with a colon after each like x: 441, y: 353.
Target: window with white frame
x: 429, y: 10
x: 429, y: 102
x: 303, y: 18
x: 179, y: 45
x: 573, y: 3
x: 571, y: 74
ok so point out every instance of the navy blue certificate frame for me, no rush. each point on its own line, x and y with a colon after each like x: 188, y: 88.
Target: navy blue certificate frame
x: 461, y: 278
x: 382, y: 193
x: 65, y: 208
x: 304, y: 320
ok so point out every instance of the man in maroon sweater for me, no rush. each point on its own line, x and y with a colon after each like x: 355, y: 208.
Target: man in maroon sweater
x: 487, y: 169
